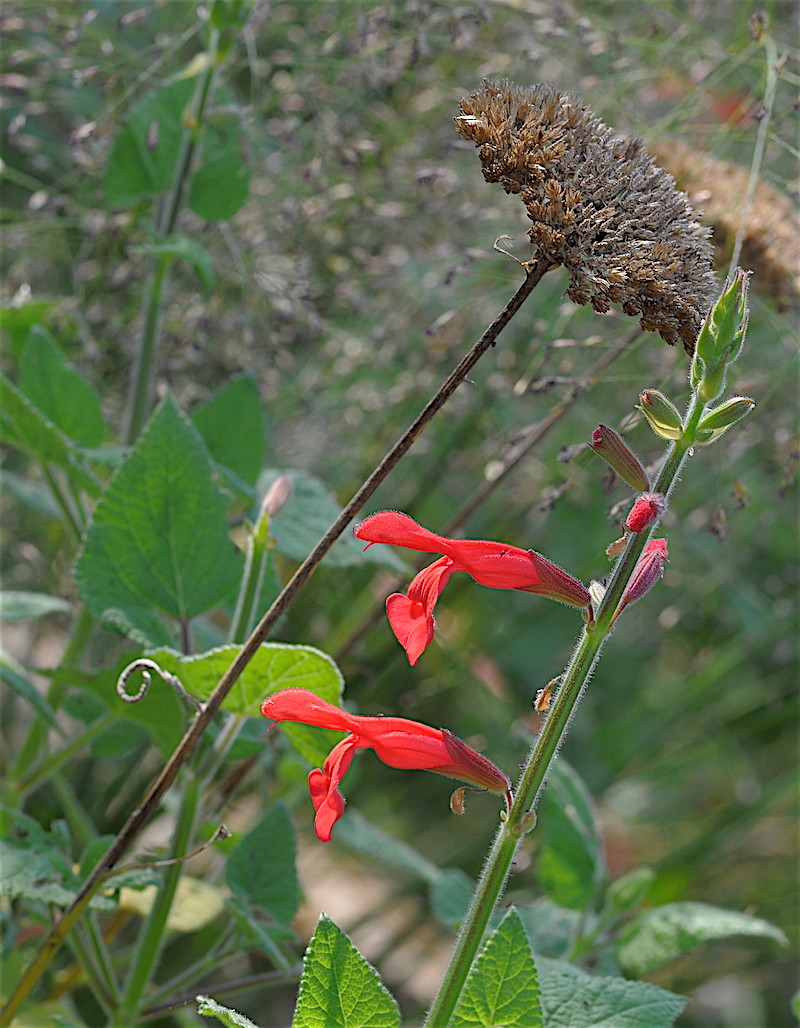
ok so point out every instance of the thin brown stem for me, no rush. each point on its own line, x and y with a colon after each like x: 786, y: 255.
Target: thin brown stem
x: 142, y: 814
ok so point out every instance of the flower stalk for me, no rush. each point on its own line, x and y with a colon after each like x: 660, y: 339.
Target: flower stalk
x: 728, y: 342
x: 511, y: 831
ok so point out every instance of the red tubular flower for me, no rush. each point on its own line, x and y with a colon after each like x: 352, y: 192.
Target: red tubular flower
x: 396, y: 740
x: 496, y: 565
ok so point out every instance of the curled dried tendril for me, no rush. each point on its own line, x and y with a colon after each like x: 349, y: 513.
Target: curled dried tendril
x: 146, y: 667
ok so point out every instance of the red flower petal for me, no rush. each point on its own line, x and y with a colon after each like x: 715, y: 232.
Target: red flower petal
x: 411, y: 616
x: 323, y: 787
x: 305, y: 706
x: 398, y: 529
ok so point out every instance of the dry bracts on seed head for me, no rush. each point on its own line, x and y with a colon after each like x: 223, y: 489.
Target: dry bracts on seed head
x: 599, y: 205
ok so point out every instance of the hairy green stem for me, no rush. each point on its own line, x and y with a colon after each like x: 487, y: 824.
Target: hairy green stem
x: 579, y: 670
x: 149, y: 804
x: 142, y: 387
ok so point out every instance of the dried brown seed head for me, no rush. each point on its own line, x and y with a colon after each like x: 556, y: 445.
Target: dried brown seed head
x: 599, y: 205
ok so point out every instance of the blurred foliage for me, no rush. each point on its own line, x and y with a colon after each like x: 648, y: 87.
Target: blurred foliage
x: 355, y: 276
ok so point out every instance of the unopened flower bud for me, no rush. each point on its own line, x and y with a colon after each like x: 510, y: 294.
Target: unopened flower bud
x: 662, y: 415
x: 277, y: 495
x: 647, y: 572
x: 721, y: 337
x: 610, y: 445
x: 644, y: 512
x: 719, y: 420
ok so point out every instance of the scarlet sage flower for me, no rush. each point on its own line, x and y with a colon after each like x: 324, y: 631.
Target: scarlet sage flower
x: 496, y: 565
x: 396, y: 740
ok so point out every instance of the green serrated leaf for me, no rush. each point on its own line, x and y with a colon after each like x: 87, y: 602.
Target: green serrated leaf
x: 570, y: 860
x: 262, y: 866
x: 502, y: 987
x: 208, y: 1007
x: 144, y: 153
x: 305, y: 518
x: 274, y: 666
x: 58, y: 390
x: 661, y: 934
x: 580, y: 1001
x: 21, y: 606
x: 159, y: 536
x: 339, y: 989
x: 43, y: 874
x: 185, y: 249
x: 24, y: 426
x: 233, y: 426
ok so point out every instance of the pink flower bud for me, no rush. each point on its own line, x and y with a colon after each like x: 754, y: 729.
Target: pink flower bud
x: 610, y: 445
x: 277, y: 495
x: 647, y: 572
x: 644, y: 512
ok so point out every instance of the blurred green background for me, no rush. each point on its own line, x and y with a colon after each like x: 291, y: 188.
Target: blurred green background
x: 354, y: 278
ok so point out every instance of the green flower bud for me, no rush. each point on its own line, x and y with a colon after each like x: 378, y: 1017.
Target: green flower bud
x: 721, y: 338
x: 662, y: 414
x: 728, y: 413
x: 717, y: 421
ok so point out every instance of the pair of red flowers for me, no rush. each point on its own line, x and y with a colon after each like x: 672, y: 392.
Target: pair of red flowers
x: 409, y: 744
